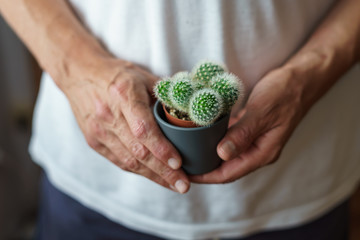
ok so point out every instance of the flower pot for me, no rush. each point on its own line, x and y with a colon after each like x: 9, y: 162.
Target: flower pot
x: 197, y: 146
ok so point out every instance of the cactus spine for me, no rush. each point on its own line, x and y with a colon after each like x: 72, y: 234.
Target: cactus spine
x: 205, y: 107
x: 161, y: 91
x: 180, y: 93
x: 182, y: 75
x: 204, y: 71
x: 229, y: 87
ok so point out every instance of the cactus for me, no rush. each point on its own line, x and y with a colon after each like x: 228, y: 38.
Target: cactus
x: 161, y: 91
x: 204, y: 71
x: 205, y: 107
x: 202, y: 96
x: 180, y: 93
x: 229, y: 87
x: 198, y: 86
x: 182, y: 75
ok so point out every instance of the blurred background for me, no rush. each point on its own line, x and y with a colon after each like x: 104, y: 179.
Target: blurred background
x: 19, y: 176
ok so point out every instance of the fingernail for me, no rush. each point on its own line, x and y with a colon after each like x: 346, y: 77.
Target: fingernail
x: 181, y: 186
x: 229, y: 148
x: 174, y: 163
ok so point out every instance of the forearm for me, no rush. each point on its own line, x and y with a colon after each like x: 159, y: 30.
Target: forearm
x: 330, y: 52
x: 55, y: 36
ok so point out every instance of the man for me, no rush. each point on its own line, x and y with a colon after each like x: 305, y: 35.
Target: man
x: 104, y: 58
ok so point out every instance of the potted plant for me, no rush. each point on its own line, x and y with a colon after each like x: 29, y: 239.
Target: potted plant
x: 193, y: 111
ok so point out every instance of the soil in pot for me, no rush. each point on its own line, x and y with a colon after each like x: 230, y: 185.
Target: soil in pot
x: 178, y: 118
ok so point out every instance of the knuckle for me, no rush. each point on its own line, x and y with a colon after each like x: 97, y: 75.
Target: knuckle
x: 243, y: 133
x: 98, y: 130
x: 120, y: 88
x: 102, y: 111
x: 275, y: 156
x: 139, y: 129
x: 224, y: 178
x: 139, y: 151
x: 91, y: 133
x: 131, y: 164
x: 129, y: 65
x: 92, y: 142
x: 166, y: 173
x: 272, y: 154
x: 162, y: 150
x: 138, y: 105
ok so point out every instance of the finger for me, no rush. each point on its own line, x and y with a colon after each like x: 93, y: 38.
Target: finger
x: 118, y: 155
x: 135, y: 157
x: 126, y: 163
x: 264, y: 151
x: 135, y: 106
x: 239, y: 137
x: 105, y: 152
x: 176, y: 178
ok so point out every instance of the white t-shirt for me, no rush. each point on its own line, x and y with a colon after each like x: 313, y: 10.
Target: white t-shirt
x: 319, y: 167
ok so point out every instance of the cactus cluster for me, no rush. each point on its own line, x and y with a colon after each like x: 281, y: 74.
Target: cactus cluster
x: 205, y: 94
x: 205, y: 71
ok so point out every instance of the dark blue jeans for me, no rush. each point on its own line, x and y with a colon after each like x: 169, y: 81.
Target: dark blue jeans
x: 63, y: 218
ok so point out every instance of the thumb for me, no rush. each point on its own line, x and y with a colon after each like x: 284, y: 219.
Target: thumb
x: 238, y: 138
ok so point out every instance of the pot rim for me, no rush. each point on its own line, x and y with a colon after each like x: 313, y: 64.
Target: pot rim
x: 159, y: 118
x: 176, y: 121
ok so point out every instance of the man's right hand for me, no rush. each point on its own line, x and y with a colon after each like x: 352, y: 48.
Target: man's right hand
x: 116, y: 118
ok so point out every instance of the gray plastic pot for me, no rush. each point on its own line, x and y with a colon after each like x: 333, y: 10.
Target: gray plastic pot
x: 197, y: 146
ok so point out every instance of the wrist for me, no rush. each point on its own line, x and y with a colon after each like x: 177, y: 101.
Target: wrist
x: 313, y: 72
x: 85, y: 63
x: 299, y: 83
x: 78, y: 60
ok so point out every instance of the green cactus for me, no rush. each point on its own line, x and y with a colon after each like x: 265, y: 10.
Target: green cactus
x: 198, y: 85
x: 161, y: 91
x: 181, y: 91
x: 182, y: 75
x: 201, y: 96
x: 204, y: 71
x: 205, y: 107
x: 229, y: 87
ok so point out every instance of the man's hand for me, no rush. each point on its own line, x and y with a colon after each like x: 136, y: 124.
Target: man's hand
x: 270, y: 116
x: 109, y: 97
x: 116, y: 119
